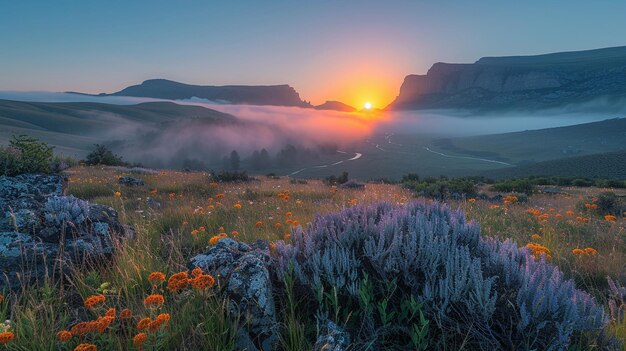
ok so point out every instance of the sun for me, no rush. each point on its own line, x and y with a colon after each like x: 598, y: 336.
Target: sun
x: 367, y: 105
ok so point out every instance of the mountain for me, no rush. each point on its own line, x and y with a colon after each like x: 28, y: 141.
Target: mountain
x: 335, y: 106
x: 520, y: 82
x: 73, y: 128
x: 277, y: 95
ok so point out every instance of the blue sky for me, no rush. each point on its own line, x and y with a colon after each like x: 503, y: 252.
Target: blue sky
x: 325, y: 49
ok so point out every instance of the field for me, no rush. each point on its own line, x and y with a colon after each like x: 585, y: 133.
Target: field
x: 192, y: 210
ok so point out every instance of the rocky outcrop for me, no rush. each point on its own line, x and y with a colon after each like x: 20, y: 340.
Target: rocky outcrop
x: 335, y: 106
x: 528, y: 82
x: 332, y: 338
x: 42, y: 231
x: 278, y: 95
x: 131, y: 181
x: 243, y: 274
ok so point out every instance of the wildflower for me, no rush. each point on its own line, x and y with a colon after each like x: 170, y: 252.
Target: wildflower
x: 569, y: 212
x: 536, y: 237
x: 510, y: 199
x: 234, y: 233
x: 471, y: 201
x: 591, y: 206
x: 172, y: 195
x: 160, y: 320
x: 539, y: 250
x: 196, y: 272
x: 153, y: 191
x: 210, y: 207
x: 288, y: 214
x: 610, y: 218
x: 117, y: 194
x: 83, y: 328
x: 144, y: 323
x: 493, y: 207
x: 126, y: 314
x: 258, y: 224
x: 156, y: 278
x: 102, y: 323
x: 94, y: 300
x: 221, y: 229
x: 591, y: 251
x: 195, y: 232
x: 153, y: 301
x: 213, y: 184
x: 202, y: 229
x: 219, y: 196
x: 111, y: 312
x: 543, y: 217
x: 278, y: 225
x: 178, y: 282
x: 287, y: 236
x: 86, y: 347
x: 6, y: 337
x: 237, y: 206
x: 203, y: 281
x: 578, y: 252
x: 294, y: 223
x: 140, y: 339
x: 64, y: 335
x: 582, y: 219
x: 217, y: 238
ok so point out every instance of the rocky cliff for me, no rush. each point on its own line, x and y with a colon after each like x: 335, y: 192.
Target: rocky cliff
x: 528, y: 82
x: 278, y: 95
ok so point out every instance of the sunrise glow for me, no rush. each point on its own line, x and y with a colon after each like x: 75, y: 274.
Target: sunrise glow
x: 367, y: 105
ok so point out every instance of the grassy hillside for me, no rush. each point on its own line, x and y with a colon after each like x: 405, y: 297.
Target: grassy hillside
x: 74, y: 127
x: 544, y: 144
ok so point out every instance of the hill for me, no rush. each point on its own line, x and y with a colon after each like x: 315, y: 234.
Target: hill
x: 520, y: 82
x: 543, y: 144
x: 335, y: 106
x: 277, y: 95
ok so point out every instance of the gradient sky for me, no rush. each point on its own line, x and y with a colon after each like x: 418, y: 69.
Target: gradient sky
x: 353, y: 51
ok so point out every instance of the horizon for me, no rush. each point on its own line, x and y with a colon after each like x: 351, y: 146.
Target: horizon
x: 349, y: 52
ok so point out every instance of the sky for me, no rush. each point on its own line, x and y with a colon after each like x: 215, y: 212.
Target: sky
x: 352, y: 51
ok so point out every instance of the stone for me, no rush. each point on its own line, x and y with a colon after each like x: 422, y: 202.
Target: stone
x: 42, y: 230
x: 243, y: 272
x: 332, y: 338
x: 130, y: 181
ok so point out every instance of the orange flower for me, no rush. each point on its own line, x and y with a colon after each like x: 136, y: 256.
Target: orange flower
x: 196, y: 272
x: 195, y: 232
x: 154, y: 301
x: 126, y: 314
x: 156, y: 278
x: 234, y: 233
x: 539, y: 250
x: 171, y: 195
x: 294, y: 223
x: 582, y: 219
x: 569, y: 212
x: 83, y: 328
x: 86, y: 347
x: 102, y: 323
x: 258, y: 224
x: 140, y: 339
x: 111, y: 312
x: 493, y: 207
x: 217, y: 238
x: 288, y: 214
x: 543, y: 217
x: 536, y: 237
x: 590, y: 251
x: 178, y: 282
x: 94, y: 300
x: 64, y: 335
x: 221, y: 229
x: 117, y: 194
x: 159, y: 321
x: 144, y: 323
x: 202, y: 229
x: 237, y: 206
x: 610, y: 218
x: 153, y: 191
x: 471, y: 201
x: 203, y: 281
x: 278, y: 225
x: 287, y: 236
x: 578, y: 252
x: 219, y: 196
x: 591, y: 206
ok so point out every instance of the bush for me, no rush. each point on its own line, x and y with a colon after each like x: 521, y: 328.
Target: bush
x: 25, y: 155
x: 226, y: 177
x: 101, y: 155
x: 333, y: 180
x: 518, y: 186
x: 388, y: 272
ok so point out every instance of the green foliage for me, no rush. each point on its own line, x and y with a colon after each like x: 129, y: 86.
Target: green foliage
x: 441, y: 188
x: 227, y: 177
x: 334, y: 180
x: 101, y: 155
x: 515, y: 185
x: 25, y: 155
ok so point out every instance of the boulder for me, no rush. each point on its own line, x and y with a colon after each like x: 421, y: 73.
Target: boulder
x: 243, y: 274
x: 130, y: 181
x: 42, y: 230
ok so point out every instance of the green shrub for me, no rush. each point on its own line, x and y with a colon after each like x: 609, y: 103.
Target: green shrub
x: 517, y: 185
x: 25, y: 155
x: 227, y: 177
x: 333, y: 180
x: 101, y: 155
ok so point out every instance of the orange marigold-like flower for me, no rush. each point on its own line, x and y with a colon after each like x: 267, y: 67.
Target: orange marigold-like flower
x: 203, y: 281
x: 94, y: 300
x: 278, y: 225
x: 578, y: 252
x: 102, y: 323
x: 140, y: 339
x: 111, y: 312
x: 493, y: 207
x: 234, y: 233
x: 126, y: 314
x: 219, y: 196
x: 582, y: 219
x: 178, y: 282
x: 569, y: 212
x: 258, y: 224
x: 6, y: 337
x: 195, y: 232
x: 536, y: 236
x: 86, y: 347
x: 64, y: 335
x: 159, y: 321
x: 287, y: 236
x: 196, y: 272
x: 288, y: 214
x: 83, y: 328
x: 117, y: 194
x: 591, y: 251
x: 154, y: 301
x: 610, y: 218
x: 156, y: 278
x: 144, y: 323
x: 471, y: 201
x: 237, y: 206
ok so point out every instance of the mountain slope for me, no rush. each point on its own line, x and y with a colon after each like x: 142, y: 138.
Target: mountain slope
x: 278, y: 95
x: 523, y: 82
x: 335, y: 106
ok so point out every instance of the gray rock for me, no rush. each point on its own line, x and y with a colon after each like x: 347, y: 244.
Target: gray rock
x: 332, y: 338
x: 42, y: 230
x: 243, y: 273
x: 130, y: 181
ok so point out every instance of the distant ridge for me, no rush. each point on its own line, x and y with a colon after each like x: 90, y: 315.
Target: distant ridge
x: 335, y: 106
x: 276, y: 95
x: 520, y: 82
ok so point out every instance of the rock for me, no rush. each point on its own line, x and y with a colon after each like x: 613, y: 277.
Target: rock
x: 332, y: 338
x: 244, y: 275
x: 130, y: 181
x: 352, y: 184
x: 551, y: 190
x: 41, y: 229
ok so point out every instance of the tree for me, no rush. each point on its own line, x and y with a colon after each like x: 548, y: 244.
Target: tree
x: 235, y: 161
x: 255, y: 160
x: 264, y: 160
x: 101, y: 155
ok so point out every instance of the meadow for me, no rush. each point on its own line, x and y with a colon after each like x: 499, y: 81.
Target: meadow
x: 177, y: 215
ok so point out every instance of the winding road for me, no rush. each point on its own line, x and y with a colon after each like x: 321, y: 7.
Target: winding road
x: 357, y: 155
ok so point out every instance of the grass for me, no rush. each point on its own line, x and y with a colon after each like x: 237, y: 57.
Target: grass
x: 193, y: 209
